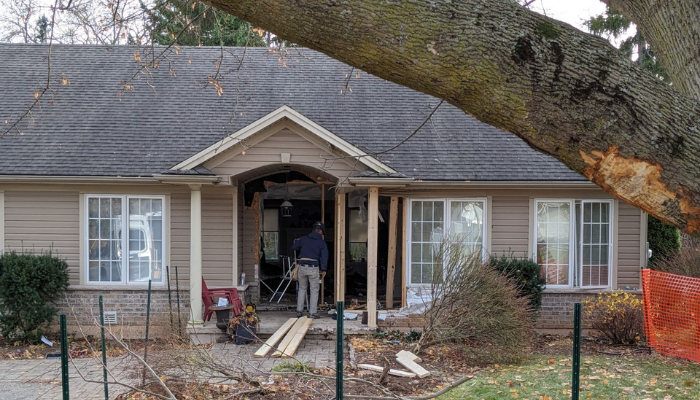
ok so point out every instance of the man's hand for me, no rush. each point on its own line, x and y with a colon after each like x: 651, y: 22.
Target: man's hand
x: 323, y: 274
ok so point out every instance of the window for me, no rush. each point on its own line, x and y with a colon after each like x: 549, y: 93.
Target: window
x: 574, y: 242
x: 357, y: 227
x: 465, y: 224
x: 119, y: 256
x: 271, y: 234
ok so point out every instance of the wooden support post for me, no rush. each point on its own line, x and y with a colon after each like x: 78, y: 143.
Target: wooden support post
x: 339, y: 246
x: 404, y: 241
x: 323, y: 203
x: 372, y: 238
x: 391, y: 265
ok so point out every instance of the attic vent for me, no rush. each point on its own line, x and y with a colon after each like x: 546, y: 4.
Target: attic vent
x: 110, y: 317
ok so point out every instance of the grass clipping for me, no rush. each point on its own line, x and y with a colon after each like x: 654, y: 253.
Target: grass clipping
x: 475, y: 306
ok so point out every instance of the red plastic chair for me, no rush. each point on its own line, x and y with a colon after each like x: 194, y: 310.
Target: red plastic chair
x: 208, y: 296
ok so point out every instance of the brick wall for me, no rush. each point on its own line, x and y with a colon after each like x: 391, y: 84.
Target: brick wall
x: 82, y: 309
x: 557, y: 310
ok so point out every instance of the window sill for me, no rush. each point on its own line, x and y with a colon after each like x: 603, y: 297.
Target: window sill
x: 586, y: 290
x: 158, y: 286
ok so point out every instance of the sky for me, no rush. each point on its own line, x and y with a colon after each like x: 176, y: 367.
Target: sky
x: 573, y: 12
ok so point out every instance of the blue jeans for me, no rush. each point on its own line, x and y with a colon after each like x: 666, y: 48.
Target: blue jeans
x: 308, y: 276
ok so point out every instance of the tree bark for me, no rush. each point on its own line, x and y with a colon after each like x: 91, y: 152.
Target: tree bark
x: 567, y: 93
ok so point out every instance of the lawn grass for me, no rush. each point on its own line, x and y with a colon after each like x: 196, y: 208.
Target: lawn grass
x: 602, y: 377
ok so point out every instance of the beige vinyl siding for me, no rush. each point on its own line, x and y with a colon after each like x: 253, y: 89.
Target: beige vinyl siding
x: 285, y: 141
x: 217, y: 238
x: 628, y: 262
x: 180, y: 238
x: 510, y: 226
x: 42, y: 221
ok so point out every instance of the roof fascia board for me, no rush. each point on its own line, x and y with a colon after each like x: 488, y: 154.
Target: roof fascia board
x: 268, y: 120
x: 417, y: 184
x: 76, y: 179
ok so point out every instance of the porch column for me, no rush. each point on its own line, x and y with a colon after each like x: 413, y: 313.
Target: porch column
x: 372, y: 238
x: 340, y: 247
x: 196, y: 255
x: 391, y: 262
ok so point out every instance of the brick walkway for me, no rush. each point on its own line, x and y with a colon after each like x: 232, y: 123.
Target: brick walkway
x: 41, y: 379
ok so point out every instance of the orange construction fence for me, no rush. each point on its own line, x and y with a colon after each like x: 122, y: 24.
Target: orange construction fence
x: 672, y: 313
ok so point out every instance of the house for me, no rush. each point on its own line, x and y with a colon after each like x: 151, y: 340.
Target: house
x: 197, y: 151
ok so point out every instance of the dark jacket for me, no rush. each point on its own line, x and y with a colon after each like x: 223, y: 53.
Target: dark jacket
x: 312, y: 246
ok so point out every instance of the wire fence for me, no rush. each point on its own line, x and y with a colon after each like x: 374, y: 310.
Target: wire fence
x: 672, y: 313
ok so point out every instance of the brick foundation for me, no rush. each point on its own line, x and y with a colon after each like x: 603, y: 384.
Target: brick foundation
x: 81, y: 305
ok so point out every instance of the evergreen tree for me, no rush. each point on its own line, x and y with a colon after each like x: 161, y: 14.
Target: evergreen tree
x: 193, y: 23
x: 615, y: 24
x: 42, y: 27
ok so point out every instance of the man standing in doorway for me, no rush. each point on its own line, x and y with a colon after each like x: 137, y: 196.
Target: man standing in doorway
x: 313, y: 255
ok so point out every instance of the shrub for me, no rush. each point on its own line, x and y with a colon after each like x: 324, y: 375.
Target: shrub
x: 474, y: 306
x: 526, y: 275
x: 685, y: 261
x: 617, y: 315
x: 664, y: 240
x: 30, y: 284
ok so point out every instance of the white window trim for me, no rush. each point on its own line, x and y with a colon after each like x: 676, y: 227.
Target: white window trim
x: 574, y: 263
x: 611, y: 219
x: 446, y: 215
x: 86, y: 238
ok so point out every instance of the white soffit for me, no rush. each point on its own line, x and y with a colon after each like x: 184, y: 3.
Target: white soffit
x: 273, y: 118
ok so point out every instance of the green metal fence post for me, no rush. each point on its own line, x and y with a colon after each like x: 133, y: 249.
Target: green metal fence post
x: 339, y: 352
x: 177, y: 292
x: 64, y: 357
x: 576, y: 365
x: 148, y: 320
x: 170, y: 298
x: 104, y: 349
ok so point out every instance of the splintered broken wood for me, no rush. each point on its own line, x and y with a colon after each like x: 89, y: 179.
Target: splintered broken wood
x: 413, y: 367
x: 290, y: 335
x: 395, y: 372
x: 409, y: 355
x: 296, y: 341
x: 272, y: 341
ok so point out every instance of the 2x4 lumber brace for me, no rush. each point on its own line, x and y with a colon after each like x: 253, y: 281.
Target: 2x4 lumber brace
x: 339, y: 247
x: 395, y: 372
x: 404, y: 242
x: 272, y: 341
x: 290, y: 335
x: 391, y: 267
x: 372, y: 238
x: 296, y: 340
x: 413, y: 367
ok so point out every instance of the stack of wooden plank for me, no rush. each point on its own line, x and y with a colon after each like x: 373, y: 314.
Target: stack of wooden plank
x: 408, y: 360
x: 291, y: 334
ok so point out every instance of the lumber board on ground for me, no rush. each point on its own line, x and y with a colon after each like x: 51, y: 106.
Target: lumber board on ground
x: 413, y: 367
x: 409, y: 355
x: 276, y: 337
x: 288, y: 338
x: 395, y: 372
x: 296, y: 340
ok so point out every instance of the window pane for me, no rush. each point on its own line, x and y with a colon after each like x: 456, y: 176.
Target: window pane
x: 145, y: 247
x: 427, y: 228
x: 595, y: 247
x: 271, y: 222
x: 553, y: 233
x: 467, y: 223
x: 271, y: 241
x: 104, y: 246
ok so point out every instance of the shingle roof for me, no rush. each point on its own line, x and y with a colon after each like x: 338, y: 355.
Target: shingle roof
x: 89, y: 127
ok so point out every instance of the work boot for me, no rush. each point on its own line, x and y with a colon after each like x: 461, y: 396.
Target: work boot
x: 314, y: 316
x: 299, y: 315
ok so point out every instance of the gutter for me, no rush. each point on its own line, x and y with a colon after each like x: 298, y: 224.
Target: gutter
x: 125, y: 180
x: 413, y: 183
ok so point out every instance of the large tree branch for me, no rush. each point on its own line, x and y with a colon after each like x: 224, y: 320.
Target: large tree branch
x: 565, y: 92
x: 671, y: 27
